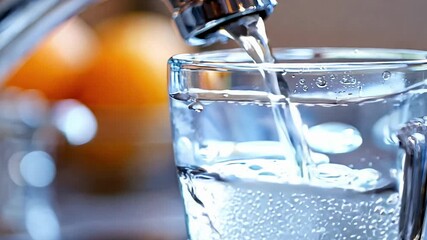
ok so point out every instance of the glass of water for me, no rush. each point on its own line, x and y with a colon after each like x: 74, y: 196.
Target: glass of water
x: 331, y: 157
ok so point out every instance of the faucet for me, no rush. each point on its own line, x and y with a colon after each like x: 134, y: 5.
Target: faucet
x: 23, y: 23
x: 199, y: 20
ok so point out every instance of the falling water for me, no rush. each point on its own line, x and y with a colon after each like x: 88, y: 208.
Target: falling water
x: 249, y: 32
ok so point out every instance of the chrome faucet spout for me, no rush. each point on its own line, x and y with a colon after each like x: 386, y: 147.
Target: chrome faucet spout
x: 199, y: 20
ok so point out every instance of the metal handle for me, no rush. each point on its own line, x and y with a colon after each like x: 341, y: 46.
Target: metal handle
x: 198, y: 20
x: 24, y: 22
x: 413, y: 198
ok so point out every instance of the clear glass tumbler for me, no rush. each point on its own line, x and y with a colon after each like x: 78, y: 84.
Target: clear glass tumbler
x: 338, y: 156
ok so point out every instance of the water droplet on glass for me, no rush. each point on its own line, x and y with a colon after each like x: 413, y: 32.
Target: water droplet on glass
x: 348, y: 79
x: 386, y: 75
x: 305, y: 87
x: 334, y: 137
x: 301, y: 81
x: 181, y: 96
x: 293, y: 76
x: 332, y: 76
x: 196, y: 106
x: 321, y: 82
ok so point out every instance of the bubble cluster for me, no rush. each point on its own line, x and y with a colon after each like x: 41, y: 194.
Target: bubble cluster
x: 196, y: 106
x: 343, y: 83
x: 236, y: 209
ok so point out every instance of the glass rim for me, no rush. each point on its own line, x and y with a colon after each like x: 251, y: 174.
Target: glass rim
x: 305, y: 58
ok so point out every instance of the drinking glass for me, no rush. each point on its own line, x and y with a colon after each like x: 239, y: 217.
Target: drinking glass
x: 339, y: 154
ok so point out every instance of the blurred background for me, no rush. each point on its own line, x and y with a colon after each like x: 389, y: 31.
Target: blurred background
x: 84, y: 121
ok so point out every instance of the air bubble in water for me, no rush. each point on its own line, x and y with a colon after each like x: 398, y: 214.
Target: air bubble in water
x: 367, y: 178
x: 255, y: 167
x: 302, y: 81
x: 196, y: 106
x: 380, y: 210
x: 267, y: 174
x: 319, y: 158
x: 369, y: 173
x: 386, y: 75
x: 334, y: 137
x: 332, y: 171
x: 393, y: 199
x: 321, y: 82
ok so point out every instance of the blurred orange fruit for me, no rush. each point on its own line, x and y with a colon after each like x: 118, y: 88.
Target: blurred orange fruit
x: 131, y: 69
x: 57, y: 62
x: 126, y: 88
